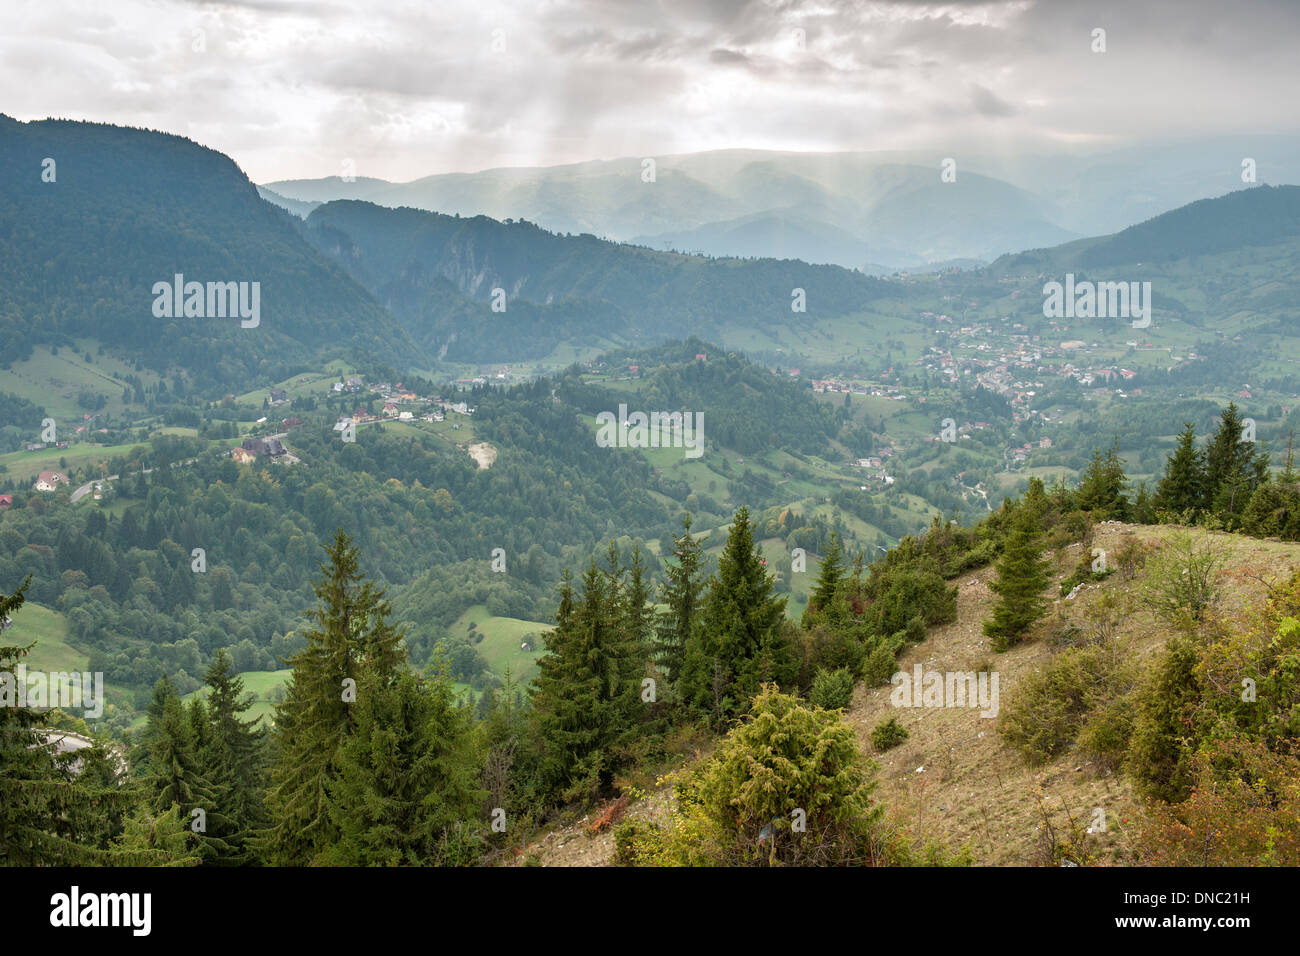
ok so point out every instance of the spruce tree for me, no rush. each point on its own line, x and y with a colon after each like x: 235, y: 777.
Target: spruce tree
x: 406, y: 792
x: 1101, y: 489
x: 1274, y: 508
x: 740, y: 643
x: 231, y: 752
x: 638, y: 612
x: 1234, y: 468
x: 177, y: 778
x: 680, y: 593
x: 140, y: 756
x: 586, y: 698
x: 1182, y: 488
x: 54, y: 808
x: 351, y: 638
x: 1021, y: 578
x: 829, y: 576
x: 509, y: 761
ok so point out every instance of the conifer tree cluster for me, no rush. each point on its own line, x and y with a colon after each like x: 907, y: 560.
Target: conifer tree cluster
x: 740, y: 642
x: 62, y: 809
x: 371, y: 765
x: 1221, y: 479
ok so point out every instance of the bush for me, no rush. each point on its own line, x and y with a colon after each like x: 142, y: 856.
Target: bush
x: 888, y: 734
x: 882, y: 662
x: 1052, y: 705
x: 1160, y: 755
x: 829, y: 648
x: 1130, y: 557
x: 1104, y: 739
x: 915, y: 632
x: 1251, y: 818
x: 832, y: 690
x: 626, y: 835
x: 904, y: 592
x: 1181, y: 582
x: 786, y: 762
x: 1083, y: 572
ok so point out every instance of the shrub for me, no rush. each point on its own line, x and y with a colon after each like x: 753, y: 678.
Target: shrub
x: 904, y: 592
x: 1083, y: 572
x: 1160, y: 756
x: 888, y: 734
x: 832, y: 690
x: 829, y: 648
x: 1104, y: 739
x: 1052, y: 705
x: 1181, y: 582
x: 1251, y: 818
x: 882, y: 662
x: 915, y: 632
x: 1130, y: 557
x: 626, y: 835
x: 738, y: 808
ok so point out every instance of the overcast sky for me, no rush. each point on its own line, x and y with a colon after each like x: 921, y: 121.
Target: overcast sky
x: 292, y: 88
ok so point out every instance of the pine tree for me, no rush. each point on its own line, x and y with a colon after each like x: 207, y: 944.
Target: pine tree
x: 53, y: 808
x: 829, y: 577
x: 1234, y: 468
x: 740, y: 643
x: 177, y: 779
x: 1101, y: 489
x: 406, y: 792
x: 231, y: 752
x: 680, y: 593
x: 1144, y: 509
x: 1021, y: 578
x: 1274, y: 508
x: 162, y: 690
x: 586, y: 698
x: 350, y: 640
x: 1182, y: 488
x: 509, y: 762
x: 637, y: 610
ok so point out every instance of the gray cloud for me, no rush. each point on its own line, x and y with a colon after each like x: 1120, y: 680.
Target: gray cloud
x: 407, y: 88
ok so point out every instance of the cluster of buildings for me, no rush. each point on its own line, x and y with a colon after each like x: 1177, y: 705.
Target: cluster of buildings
x: 255, y: 448
x: 833, y: 385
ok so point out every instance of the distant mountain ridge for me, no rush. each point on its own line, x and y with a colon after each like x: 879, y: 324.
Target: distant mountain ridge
x: 438, y: 273
x: 82, y: 247
x: 1259, y: 216
x: 890, y: 209
x: 847, y: 213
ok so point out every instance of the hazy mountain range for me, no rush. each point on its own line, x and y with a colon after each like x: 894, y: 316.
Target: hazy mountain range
x: 873, y: 211
x: 132, y: 207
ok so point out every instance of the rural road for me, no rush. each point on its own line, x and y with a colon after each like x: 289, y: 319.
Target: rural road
x: 85, y: 489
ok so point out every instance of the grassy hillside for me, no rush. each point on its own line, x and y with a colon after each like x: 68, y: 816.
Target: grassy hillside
x: 501, y: 637
x: 955, y: 780
x: 49, y: 629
